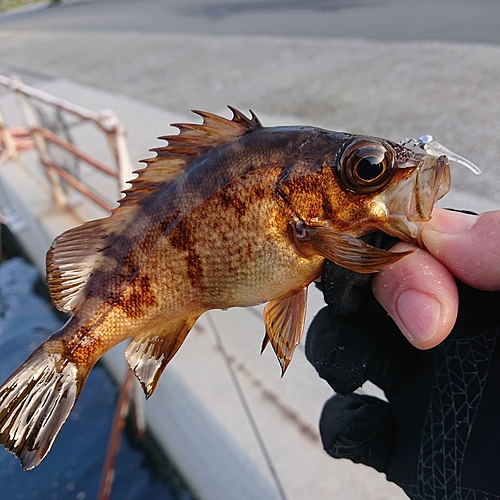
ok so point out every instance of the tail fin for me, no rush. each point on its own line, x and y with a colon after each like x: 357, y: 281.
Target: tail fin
x: 35, y: 402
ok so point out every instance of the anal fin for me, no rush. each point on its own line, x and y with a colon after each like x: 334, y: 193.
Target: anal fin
x: 284, y: 320
x: 149, y: 353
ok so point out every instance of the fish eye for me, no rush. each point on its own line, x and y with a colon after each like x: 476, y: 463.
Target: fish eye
x: 365, y: 166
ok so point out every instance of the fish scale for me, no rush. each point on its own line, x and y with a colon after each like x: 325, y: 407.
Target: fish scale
x: 229, y: 213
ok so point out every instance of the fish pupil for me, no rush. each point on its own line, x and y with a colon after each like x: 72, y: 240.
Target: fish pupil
x: 370, y: 168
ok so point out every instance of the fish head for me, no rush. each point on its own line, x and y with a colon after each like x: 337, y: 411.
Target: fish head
x: 394, y: 187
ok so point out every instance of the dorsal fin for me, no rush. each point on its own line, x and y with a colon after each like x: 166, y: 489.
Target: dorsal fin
x: 215, y: 130
x: 75, y: 253
x: 70, y: 261
x: 193, y: 139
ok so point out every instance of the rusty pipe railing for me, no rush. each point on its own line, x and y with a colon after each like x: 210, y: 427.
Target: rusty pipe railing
x: 106, y: 121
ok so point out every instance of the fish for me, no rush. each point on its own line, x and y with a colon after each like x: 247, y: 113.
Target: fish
x: 229, y: 213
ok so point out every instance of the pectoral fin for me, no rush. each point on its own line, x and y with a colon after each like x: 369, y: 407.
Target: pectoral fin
x: 148, y: 354
x: 347, y: 251
x: 284, y: 319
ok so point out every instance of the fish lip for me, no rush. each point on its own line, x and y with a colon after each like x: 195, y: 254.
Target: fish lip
x: 431, y: 184
x: 428, y: 182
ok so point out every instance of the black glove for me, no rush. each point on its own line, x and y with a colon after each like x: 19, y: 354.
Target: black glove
x: 438, y: 436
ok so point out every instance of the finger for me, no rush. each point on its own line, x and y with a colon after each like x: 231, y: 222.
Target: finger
x: 361, y: 428
x: 420, y: 295
x: 468, y: 245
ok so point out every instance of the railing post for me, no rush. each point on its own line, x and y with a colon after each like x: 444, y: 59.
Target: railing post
x: 40, y: 143
x: 115, y: 133
x: 9, y: 148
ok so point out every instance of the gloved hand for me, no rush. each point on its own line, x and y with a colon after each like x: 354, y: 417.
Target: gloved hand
x: 438, y: 436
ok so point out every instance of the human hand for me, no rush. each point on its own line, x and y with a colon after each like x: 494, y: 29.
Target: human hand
x: 419, y: 291
x: 437, y: 436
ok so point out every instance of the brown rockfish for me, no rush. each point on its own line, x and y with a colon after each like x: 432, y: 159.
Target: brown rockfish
x: 229, y: 213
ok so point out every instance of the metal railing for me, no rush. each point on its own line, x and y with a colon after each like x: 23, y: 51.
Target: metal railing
x: 34, y: 135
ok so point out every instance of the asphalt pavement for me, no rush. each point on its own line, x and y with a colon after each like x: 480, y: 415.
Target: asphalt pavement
x: 452, y: 20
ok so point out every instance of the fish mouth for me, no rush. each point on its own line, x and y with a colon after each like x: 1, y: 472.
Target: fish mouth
x: 428, y: 182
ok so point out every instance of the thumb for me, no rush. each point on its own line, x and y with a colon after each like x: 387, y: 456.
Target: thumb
x: 468, y: 245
